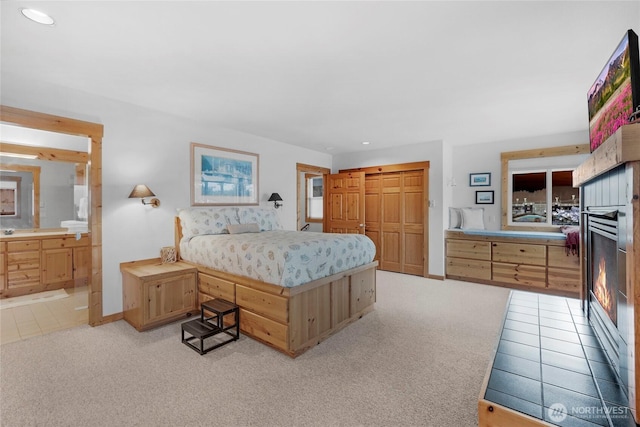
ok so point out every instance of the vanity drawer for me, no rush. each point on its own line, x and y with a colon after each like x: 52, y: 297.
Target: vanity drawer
x: 23, y: 277
x: 65, y: 242
x: 23, y: 260
x: 23, y: 245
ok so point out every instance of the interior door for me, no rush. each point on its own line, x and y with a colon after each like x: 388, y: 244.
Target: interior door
x: 344, y: 203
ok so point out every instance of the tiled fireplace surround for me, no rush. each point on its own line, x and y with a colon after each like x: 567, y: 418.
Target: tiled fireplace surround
x: 548, y: 356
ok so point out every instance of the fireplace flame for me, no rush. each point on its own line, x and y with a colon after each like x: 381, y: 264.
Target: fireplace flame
x: 600, y: 290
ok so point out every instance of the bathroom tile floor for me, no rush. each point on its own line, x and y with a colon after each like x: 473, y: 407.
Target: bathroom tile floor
x: 19, y: 323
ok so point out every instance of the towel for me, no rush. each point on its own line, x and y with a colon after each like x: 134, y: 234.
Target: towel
x: 572, y: 233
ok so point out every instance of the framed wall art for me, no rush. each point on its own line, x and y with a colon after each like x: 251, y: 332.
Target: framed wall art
x: 480, y: 179
x: 221, y: 176
x: 484, y: 197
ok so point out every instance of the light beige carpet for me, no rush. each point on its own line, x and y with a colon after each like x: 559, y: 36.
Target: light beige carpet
x: 33, y: 298
x: 418, y: 360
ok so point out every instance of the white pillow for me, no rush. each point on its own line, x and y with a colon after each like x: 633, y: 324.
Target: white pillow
x: 266, y: 218
x: 472, y: 219
x: 202, y: 221
x: 455, y: 217
x: 243, y: 228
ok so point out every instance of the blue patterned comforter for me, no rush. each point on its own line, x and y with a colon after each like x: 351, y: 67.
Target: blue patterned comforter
x: 280, y: 257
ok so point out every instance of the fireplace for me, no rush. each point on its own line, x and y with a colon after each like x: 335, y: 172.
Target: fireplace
x: 605, y: 277
x: 609, y: 182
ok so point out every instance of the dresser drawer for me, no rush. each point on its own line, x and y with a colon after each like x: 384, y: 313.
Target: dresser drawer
x: 469, y: 249
x: 216, y: 288
x: 519, y: 253
x: 469, y: 268
x: 564, y: 279
x: 264, y: 329
x: 558, y: 257
x: 268, y: 305
x: 519, y: 274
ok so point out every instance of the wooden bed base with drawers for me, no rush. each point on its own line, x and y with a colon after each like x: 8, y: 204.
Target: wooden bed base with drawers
x: 291, y: 320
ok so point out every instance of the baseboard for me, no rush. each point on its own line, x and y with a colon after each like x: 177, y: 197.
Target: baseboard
x: 108, y: 319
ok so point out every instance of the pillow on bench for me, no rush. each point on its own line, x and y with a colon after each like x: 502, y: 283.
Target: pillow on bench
x: 472, y: 218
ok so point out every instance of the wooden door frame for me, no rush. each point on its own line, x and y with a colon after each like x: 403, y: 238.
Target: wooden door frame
x: 94, y: 132
x: 301, y: 167
x: 407, y: 167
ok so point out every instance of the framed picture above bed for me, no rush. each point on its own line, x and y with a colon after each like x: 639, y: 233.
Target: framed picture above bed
x: 220, y: 176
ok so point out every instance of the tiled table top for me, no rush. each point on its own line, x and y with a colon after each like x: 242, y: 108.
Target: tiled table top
x: 550, y: 365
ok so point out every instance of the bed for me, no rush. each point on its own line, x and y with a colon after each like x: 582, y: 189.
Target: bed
x: 294, y: 289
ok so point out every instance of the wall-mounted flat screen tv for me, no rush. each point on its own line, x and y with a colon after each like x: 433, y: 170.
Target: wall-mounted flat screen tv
x: 616, y: 92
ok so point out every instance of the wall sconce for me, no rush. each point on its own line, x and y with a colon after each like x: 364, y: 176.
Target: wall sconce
x: 141, y: 191
x: 275, y: 198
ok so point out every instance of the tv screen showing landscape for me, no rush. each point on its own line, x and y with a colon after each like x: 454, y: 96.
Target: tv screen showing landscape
x: 614, y: 95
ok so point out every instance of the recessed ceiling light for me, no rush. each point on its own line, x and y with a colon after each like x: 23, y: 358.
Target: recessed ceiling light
x: 366, y: 143
x: 37, y: 16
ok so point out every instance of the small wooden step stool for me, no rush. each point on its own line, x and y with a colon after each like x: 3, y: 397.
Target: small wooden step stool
x: 207, y: 326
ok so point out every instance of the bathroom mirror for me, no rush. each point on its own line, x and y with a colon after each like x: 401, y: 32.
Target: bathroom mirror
x: 46, y: 189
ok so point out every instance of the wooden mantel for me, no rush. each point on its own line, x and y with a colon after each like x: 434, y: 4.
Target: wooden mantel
x: 619, y: 148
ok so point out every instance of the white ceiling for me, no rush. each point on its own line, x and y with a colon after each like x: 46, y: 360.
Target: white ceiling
x: 329, y: 75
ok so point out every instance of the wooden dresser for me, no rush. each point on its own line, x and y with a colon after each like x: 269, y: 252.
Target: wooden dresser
x: 36, y: 262
x: 537, y: 264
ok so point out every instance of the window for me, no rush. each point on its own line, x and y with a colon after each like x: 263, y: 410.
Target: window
x: 314, y: 198
x: 556, y: 164
x: 544, y: 196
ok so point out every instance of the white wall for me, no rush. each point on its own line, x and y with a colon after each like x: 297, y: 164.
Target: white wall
x: 145, y: 146
x: 428, y: 151
x: 142, y: 146
x: 486, y: 158
x: 453, y: 164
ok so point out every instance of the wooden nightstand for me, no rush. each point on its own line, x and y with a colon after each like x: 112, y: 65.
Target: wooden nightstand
x: 154, y: 294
